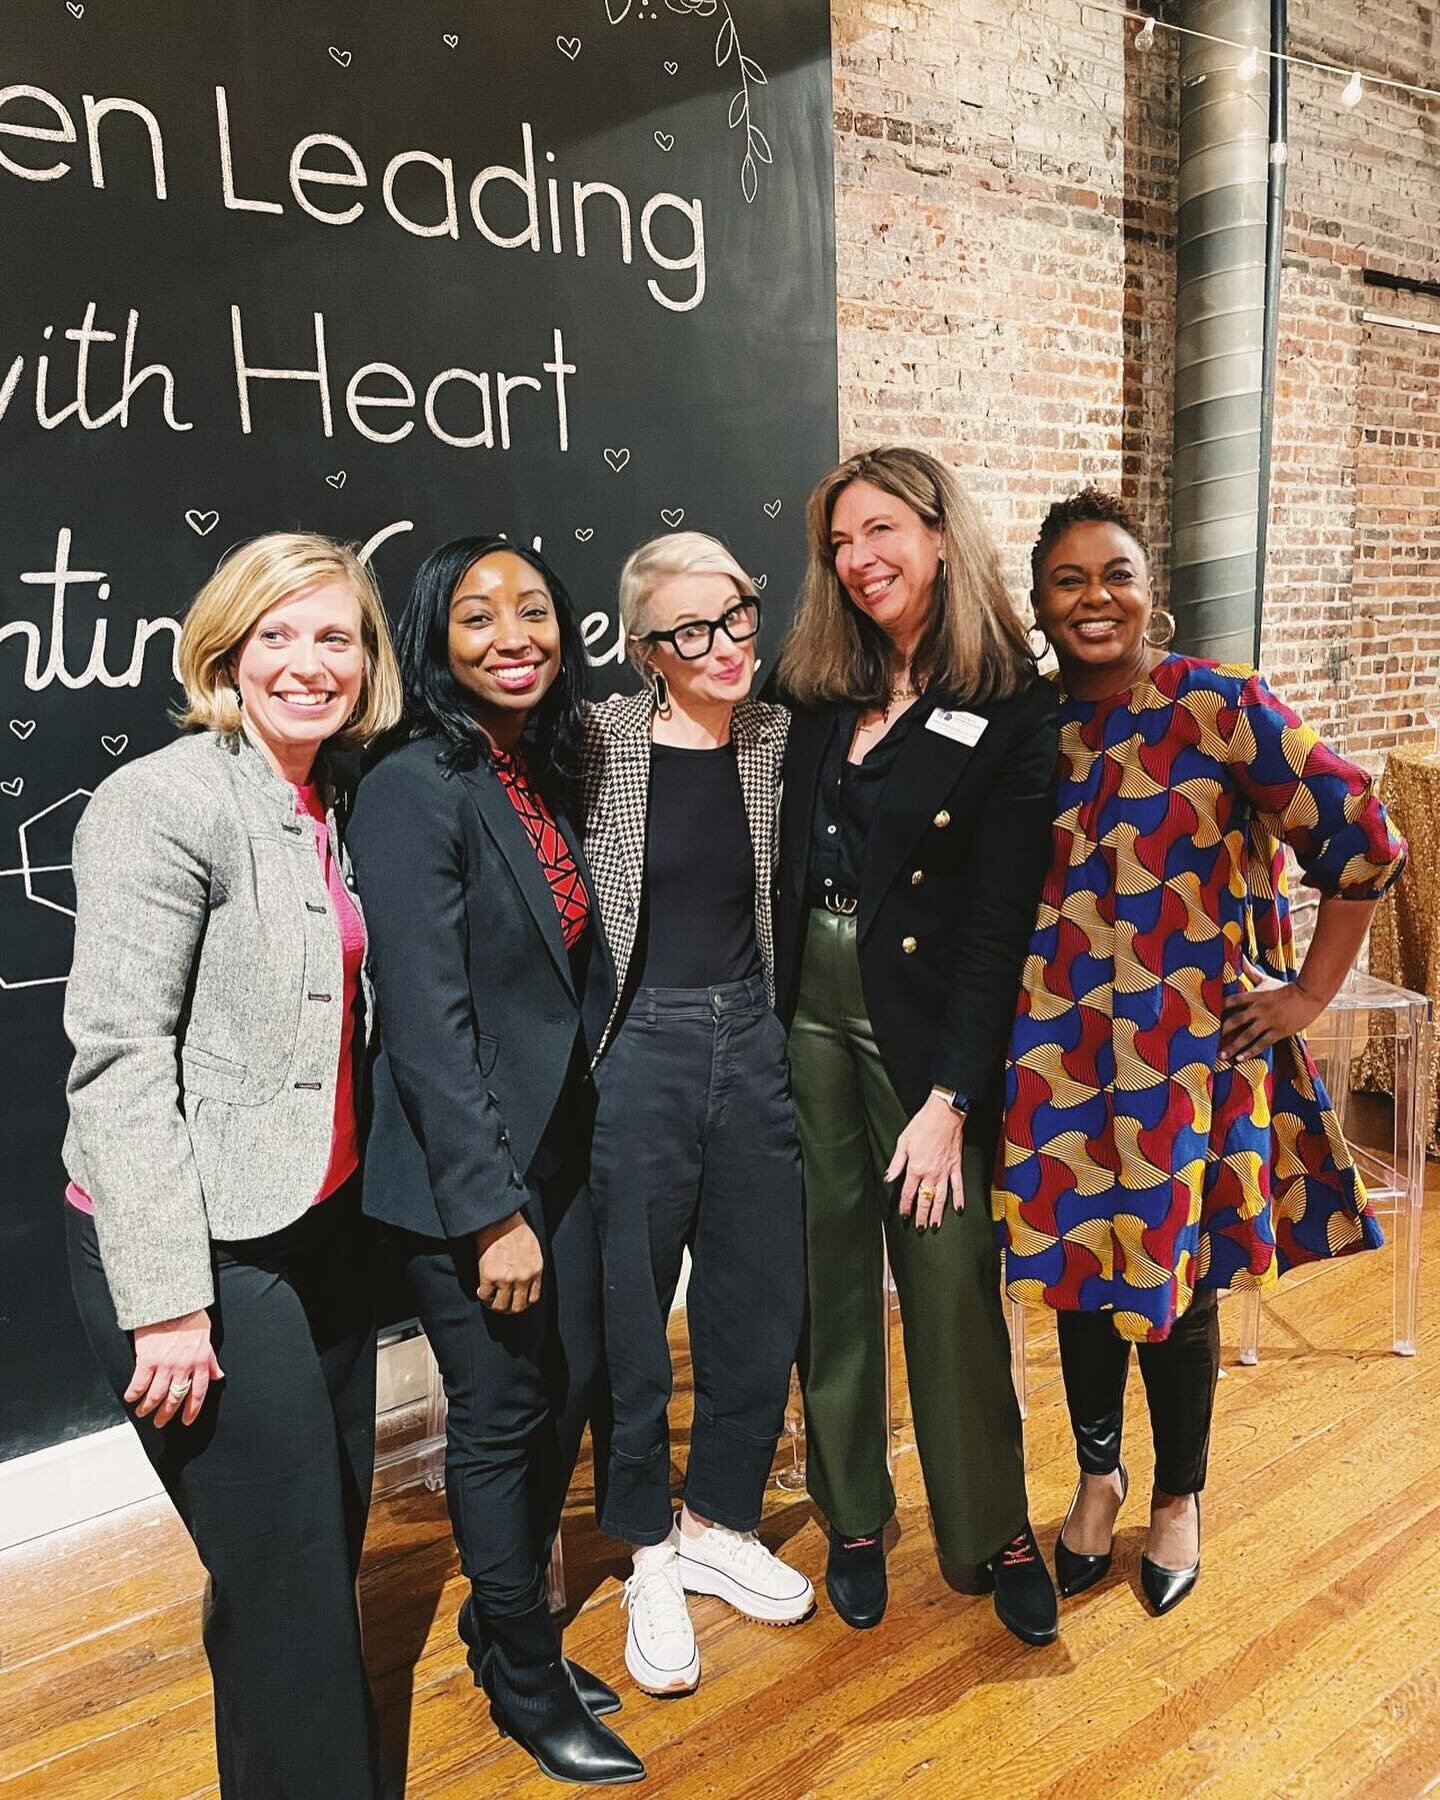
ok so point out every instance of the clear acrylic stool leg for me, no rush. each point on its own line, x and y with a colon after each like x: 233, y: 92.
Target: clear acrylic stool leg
x: 436, y: 1413
x: 1249, y: 1327
x: 555, y: 1576
x: 1017, y: 1354
x: 1412, y: 1060
x: 887, y: 1292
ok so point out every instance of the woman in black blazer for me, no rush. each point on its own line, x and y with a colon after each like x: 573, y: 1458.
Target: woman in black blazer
x: 914, y: 836
x: 492, y: 983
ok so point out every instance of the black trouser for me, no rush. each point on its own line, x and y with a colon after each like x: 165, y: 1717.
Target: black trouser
x: 273, y: 1484
x: 518, y: 1386
x: 695, y: 1146
x: 1179, y: 1373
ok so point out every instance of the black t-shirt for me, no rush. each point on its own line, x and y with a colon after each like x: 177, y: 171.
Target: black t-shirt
x: 847, y: 800
x: 697, y: 925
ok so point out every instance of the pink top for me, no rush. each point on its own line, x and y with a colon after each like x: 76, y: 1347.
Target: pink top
x: 344, y: 1133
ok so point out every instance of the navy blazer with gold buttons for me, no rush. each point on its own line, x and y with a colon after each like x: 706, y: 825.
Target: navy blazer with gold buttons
x: 940, y: 956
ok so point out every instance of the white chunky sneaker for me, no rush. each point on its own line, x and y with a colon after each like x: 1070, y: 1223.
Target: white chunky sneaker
x: 660, y: 1649
x: 737, y: 1567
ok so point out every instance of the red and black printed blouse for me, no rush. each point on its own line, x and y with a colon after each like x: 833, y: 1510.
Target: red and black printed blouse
x: 572, y: 899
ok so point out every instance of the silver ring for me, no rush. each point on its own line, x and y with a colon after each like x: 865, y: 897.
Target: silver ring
x: 179, y: 1389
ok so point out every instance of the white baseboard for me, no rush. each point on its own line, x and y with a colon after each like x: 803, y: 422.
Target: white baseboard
x: 69, y: 1484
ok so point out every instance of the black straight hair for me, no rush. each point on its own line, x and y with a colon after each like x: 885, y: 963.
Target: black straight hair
x: 436, y: 705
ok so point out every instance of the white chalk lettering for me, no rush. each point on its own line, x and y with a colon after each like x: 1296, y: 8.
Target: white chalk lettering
x: 96, y: 110
x: 485, y: 437
x: 61, y: 133
x: 352, y: 177
x: 355, y: 399
x: 59, y: 580
x: 525, y: 183
x: 245, y: 373
x: 449, y: 224
x: 227, y: 165
x: 694, y: 259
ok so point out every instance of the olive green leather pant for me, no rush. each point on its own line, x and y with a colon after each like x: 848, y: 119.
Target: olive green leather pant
x: 957, y: 1349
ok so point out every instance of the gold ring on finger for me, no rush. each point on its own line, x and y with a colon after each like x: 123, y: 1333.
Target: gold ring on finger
x: 926, y: 1193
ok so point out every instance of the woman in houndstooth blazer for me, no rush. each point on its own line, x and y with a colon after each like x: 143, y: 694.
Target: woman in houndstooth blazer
x: 695, y: 1143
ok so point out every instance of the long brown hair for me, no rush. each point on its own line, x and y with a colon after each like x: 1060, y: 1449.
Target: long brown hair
x: 974, y: 647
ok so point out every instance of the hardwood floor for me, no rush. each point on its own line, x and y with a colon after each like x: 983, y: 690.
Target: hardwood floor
x: 1306, y: 1664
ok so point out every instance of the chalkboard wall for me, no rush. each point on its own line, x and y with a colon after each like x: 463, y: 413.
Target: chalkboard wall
x: 562, y: 269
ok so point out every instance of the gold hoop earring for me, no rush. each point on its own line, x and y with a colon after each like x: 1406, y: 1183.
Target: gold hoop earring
x: 660, y: 687
x: 1159, y: 639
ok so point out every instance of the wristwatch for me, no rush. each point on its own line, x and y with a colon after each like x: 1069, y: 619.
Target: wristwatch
x: 957, y: 1101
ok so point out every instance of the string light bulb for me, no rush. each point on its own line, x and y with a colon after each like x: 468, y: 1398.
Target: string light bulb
x: 1145, y: 36
x: 1354, y: 90
x: 1249, y: 65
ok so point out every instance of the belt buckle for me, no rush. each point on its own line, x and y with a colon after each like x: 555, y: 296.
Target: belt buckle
x: 845, y: 905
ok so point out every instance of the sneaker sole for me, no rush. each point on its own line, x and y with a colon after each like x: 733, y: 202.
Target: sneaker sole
x: 662, y: 1684
x: 701, y: 1578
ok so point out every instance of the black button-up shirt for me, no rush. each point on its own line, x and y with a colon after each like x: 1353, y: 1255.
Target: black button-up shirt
x: 847, y: 800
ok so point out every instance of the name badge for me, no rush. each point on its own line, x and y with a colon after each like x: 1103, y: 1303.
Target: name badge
x: 964, y: 727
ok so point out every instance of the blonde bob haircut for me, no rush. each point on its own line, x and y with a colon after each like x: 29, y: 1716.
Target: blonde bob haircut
x: 975, y: 646
x: 252, y: 579
x: 677, y: 553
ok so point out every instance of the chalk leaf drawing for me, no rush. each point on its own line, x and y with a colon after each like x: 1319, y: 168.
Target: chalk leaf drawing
x: 116, y: 745
x: 568, y: 47
x: 672, y: 515
x: 584, y: 533
x: 617, y: 459
x: 202, y: 523
x: 666, y: 141
x: 772, y: 509
x: 450, y: 40
x: 728, y: 50
x: 337, y: 480
x: 22, y: 728
x: 760, y: 581
x: 13, y: 788
x: 340, y: 56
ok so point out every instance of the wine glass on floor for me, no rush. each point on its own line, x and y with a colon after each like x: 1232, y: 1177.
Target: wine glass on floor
x: 791, y: 1475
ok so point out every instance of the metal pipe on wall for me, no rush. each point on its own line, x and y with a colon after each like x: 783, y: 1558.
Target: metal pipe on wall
x: 1277, y: 160
x: 1219, y: 330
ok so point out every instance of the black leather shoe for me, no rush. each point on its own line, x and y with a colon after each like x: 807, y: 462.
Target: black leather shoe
x: 1166, y: 1588
x: 1074, y: 1571
x: 600, y: 1698
x: 1025, y: 1601
x: 548, y: 1719
x: 855, y: 1579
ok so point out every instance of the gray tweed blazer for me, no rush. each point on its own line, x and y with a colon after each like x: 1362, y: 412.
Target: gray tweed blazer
x: 616, y: 802
x: 205, y: 1005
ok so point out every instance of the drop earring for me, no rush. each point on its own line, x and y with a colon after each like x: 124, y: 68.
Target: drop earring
x: 660, y: 687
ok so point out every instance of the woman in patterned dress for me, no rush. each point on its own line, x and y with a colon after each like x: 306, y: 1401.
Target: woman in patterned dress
x: 1166, y: 1135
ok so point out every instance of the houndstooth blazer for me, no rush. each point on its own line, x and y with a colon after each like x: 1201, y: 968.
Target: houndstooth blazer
x: 616, y: 796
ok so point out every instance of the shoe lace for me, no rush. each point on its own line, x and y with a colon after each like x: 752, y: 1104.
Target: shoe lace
x: 658, y: 1588
x: 1019, y: 1552
x: 857, y: 1543
x: 743, y: 1548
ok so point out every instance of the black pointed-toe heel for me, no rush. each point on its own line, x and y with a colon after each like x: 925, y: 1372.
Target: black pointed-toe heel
x: 548, y: 1719
x: 1075, y: 1572
x: 597, y: 1695
x: 1166, y: 1588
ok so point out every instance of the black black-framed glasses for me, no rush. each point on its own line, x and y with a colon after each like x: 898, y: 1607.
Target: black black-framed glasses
x: 695, y: 637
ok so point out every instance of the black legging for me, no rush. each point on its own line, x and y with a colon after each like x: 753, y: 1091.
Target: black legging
x: 1179, y: 1374
x: 272, y: 1482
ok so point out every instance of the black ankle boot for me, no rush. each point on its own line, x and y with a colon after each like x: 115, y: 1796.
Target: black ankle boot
x: 597, y: 1695
x: 534, y: 1700
x: 855, y: 1579
x: 1024, y: 1593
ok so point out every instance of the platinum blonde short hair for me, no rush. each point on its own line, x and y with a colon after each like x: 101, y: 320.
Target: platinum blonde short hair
x: 677, y: 553
x: 255, y: 577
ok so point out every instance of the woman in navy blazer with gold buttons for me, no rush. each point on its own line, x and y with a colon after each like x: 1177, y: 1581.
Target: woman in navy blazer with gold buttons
x: 492, y: 983
x: 914, y: 836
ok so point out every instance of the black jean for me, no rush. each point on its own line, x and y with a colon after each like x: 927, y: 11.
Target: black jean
x: 1179, y: 1373
x: 519, y: 1386
x: 695, y: 1146
x: 272, y: 1482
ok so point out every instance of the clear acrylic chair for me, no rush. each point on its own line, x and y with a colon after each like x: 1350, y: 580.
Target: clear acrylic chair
x: 1387, y: 1028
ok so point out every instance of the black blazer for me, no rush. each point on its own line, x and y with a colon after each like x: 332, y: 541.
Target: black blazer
x: 475, y: 1000
x: 953, y: 870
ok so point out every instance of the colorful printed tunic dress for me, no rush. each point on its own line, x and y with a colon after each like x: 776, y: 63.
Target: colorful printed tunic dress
x: 1133, y: 1164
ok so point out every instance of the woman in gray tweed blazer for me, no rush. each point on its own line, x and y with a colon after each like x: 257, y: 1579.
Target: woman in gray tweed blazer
x: 218, y: 1008
x: 695, y: 1143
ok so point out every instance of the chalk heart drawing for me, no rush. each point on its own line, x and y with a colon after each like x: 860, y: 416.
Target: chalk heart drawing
x: 337, y: 480
x: 202, y: 523
x: 772, y: 509
x: 22, y: 728
x: 568, y: 46
x: 617, y: 459
x: 75, y: 9
x: 665, y: 140
x: 760, y: 581
x: 672, y: 515
x: 617, y: 11
x: 584, y: 533
x: 672, y: 68
x: 450, y: 40
x: 340, y: 56
x: 116, y: 745
x: 13, y: 788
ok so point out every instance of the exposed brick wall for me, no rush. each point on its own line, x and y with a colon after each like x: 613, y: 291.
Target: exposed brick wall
x: 1006, y: 178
